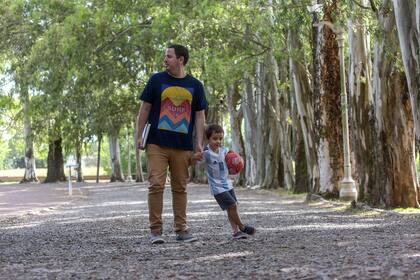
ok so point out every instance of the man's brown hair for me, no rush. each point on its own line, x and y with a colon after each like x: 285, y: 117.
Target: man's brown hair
x: 180, y: 50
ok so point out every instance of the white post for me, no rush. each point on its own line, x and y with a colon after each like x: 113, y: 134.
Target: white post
x: 348, y: 191
x: 70, y: 186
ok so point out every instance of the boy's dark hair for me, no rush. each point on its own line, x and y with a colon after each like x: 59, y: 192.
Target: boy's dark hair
x: 213, y: 128
x: 180, y: 50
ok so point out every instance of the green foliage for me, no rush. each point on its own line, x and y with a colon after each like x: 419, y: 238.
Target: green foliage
x: 4, y: 150
x: 84, y: 63
x: 15, y: 151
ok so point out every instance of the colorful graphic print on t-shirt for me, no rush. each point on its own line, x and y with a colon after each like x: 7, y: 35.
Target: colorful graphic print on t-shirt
x: 175, y: 109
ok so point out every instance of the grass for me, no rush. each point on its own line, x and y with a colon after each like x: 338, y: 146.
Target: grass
x: 364, y: 212
x: 407, y: 210
x: 42, y: 172
x: 283, y: 192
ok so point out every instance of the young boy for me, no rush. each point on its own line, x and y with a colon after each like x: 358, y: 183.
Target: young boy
x: 220, y: 186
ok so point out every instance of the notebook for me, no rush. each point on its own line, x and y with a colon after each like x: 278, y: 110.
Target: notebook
x: 144, y: 135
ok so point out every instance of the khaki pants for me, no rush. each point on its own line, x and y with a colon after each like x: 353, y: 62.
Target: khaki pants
x: 159, y: 159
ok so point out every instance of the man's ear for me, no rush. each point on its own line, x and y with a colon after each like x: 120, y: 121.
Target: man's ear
x: 182, y: 59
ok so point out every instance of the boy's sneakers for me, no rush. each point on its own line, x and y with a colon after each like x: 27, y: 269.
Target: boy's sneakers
x: 156, y: 238
x: 248, y: 230
x: 239, y: 235
x: 185, y: 237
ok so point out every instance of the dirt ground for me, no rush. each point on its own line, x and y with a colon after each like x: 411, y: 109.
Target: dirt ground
x: 101, y: 232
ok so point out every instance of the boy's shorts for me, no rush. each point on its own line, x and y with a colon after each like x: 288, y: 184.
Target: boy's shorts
x: 226, y: 199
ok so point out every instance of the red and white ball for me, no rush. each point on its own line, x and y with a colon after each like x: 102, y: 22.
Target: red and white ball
x: 234, y: 162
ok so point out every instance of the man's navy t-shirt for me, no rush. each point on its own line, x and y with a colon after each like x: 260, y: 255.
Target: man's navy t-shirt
x: 174, y: 103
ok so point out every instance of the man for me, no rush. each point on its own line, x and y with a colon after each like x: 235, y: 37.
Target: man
x: 173, y: 104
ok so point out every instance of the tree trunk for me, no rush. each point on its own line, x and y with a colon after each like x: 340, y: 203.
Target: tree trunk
x: 407, y: 15
x: 79, y: 161
x: 302, y: 180
x: 395, y: 176
x: 55, y: 171
x: 287, y: 180
x: 139, y: 168
x: 327, y: 106
x: 30, y: 167
x: 302, y: 96
x: 361, y: 105
x: 114, y: 151
x: 98, y: 162
x: 269, y: 108
x: 270, y: 121
x: 128, y: 139
x: 260, y: 134
x: 249, y: 109
x: 400, y: 140
x: 236, y: 116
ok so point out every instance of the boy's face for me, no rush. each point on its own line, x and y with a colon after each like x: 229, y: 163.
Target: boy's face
x: 216, y: 140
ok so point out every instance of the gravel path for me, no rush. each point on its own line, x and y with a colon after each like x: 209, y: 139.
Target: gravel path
x: 103, y: 235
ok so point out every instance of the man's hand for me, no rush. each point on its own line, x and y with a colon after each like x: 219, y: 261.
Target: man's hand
x: 139, y: 146
x: 141, y: 122
x: 200, y: 119
x: 197, y: 156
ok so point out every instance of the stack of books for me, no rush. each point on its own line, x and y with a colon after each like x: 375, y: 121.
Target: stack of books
x: 144, y: 136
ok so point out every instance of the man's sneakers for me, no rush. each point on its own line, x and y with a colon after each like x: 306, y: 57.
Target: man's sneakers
x: 156, y: 238
x: 185, y: 237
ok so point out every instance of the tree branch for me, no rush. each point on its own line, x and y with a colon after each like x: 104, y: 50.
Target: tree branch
x: 240, y: 34
x: 253, y: 55
x: 119, y: 34
x: 373, y: 6
x: 361, y: 6
x: 110, y: 42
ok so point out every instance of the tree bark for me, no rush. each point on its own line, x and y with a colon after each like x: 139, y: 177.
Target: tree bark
x: 98, y: 162
x: 327, y: 106
x: 407, y: 15
x: 302, y: 179
x: 287, y: 180
x: 128, y: 139
x: 114, y: 151
x: 30, y: 166
x: 270, y: 121
x: 261, y: 125
x: 271, y: 150
x: 395, y: 176
x: 361, y: 105
x: 55, y: 171
x: 249, y: 109
x: 302, y: 95
x: 79, y: 161
x: 235, y: 117
x: 139, y: 167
